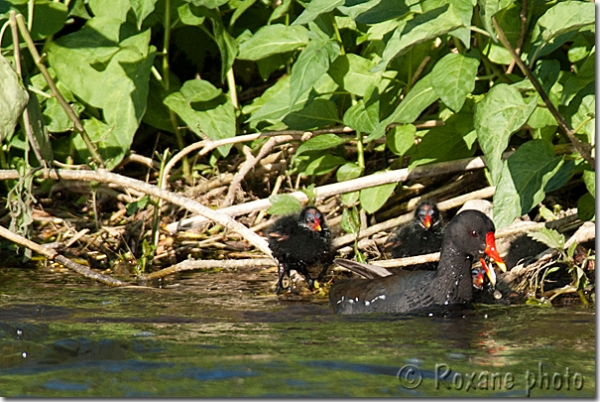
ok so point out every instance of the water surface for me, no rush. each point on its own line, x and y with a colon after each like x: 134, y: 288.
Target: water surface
x: 223, y: 334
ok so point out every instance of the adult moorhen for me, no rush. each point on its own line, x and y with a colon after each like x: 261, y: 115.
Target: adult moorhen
x: 469, y: 235
x: 421, y: 235
x: 301, y: 242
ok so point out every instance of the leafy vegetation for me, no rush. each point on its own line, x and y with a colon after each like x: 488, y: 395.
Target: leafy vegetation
x: 418, y: 82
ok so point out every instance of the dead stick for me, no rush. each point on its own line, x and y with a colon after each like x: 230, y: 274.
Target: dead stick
x: 52, y: 254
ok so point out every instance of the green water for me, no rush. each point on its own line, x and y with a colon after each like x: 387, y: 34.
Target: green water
x: 221, y: 334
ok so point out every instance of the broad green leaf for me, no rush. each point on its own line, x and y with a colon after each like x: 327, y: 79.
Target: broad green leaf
x: 199, y: 91
x: 280, y: 11
x: 384, y: 10
x: 142, y: 9
x: 401, y: 138
x: 348, y: 171
x: 49, y: 17
x: 589, y: 178
x: 453, y: 78
x: 316, y: 8
x: 210, y: 4
x: 316, y: 114
x: 442, y: 144
x: 547, y: 72
x: 320, y: 142
x: 549, y: 237
x: 311, y: 65
x: 418, y: 99
x: 502, y: 112
x: 119, y: 87
x: 56, y: 118
x: 13, y: 99
x: 524, y: 177
x: 226, y: 44
x: 581, y: 112
x: 322, y: 165
x: 352, y: 72
x: 116, y: 9
x: 509, y: 20
x: 240, y: 9
x: 586, y: 207
x: 364, y: 114
x: 487, y: 9
x: 373, y: 198
x: 564, y: 17
x: 190, y: 15
x: 214, y: 118
x: 423, y: 27
x: 464, y: 8
x: 284, y: 204
x: 272, y: 39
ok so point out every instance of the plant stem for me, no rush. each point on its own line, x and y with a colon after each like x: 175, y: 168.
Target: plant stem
x: 567, y: 130
x: 185, y: 164
x: 67, y: 108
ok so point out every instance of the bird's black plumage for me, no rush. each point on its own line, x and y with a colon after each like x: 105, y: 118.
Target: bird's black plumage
x: 467, y: 237
x: 421, y: 235
x: 301, y: 242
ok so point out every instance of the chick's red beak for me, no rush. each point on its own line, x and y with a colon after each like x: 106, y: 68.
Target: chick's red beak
x: 427, y: 221
x: 317, y: 225
x: 490, y: 250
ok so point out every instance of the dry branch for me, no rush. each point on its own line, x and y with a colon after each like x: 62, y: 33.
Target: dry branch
x: 52, y: 254
x: 104, y: 176
x: 190, y: 265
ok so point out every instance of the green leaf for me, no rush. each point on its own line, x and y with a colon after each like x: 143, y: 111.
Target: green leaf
x: 502, y: 112
x: 13, y: 99
x: 316, y: 8
x: 272, y: 39
x: 107, y: 75
x: 116, y: 9
x: 280, y: 11
x: 401, y: 138
x: 589, y: 178
x: 227, y: 45
x: 284, y: 204
x: 523, y: 180
x: 142, y: 9
x: 40, y: 132
x: 240, y: 9
x: 322, y: 165
x: 210, y: 4
x: 364, y: 117
x: 199, y: 91
x: 487, y: 9
x: 320, y: 143
x: 348, y: 171
x: 549, y: 237
x: 373, y: 198
x: 311, y: 65
x: 214, y: 118
x: 418, y: 99
x: 352, y: 72
x: 350, y: 220
x: 547, y: 72
x: 565, y: 17
x: 318, y: 113
x: 586, y: 207
x: 423, y: 27
x: 453, y: 78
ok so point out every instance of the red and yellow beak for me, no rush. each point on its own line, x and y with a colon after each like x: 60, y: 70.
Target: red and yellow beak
x: 427, y: 221
x: 317, y: 225
x: 490, y: 250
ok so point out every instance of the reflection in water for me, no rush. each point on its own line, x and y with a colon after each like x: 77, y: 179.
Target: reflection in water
x: 202, y: 339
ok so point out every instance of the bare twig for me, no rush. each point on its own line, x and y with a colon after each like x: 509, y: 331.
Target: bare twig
x: 566, y: 129
x: 52, y: 254
x: 392, y: 176
x: 104, y: 176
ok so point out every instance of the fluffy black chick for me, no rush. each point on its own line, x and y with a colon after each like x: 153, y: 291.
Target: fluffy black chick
x: 421, y: 235
x: 301, y: 242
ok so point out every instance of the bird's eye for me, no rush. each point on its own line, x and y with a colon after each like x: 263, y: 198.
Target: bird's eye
x: 473, y: 233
